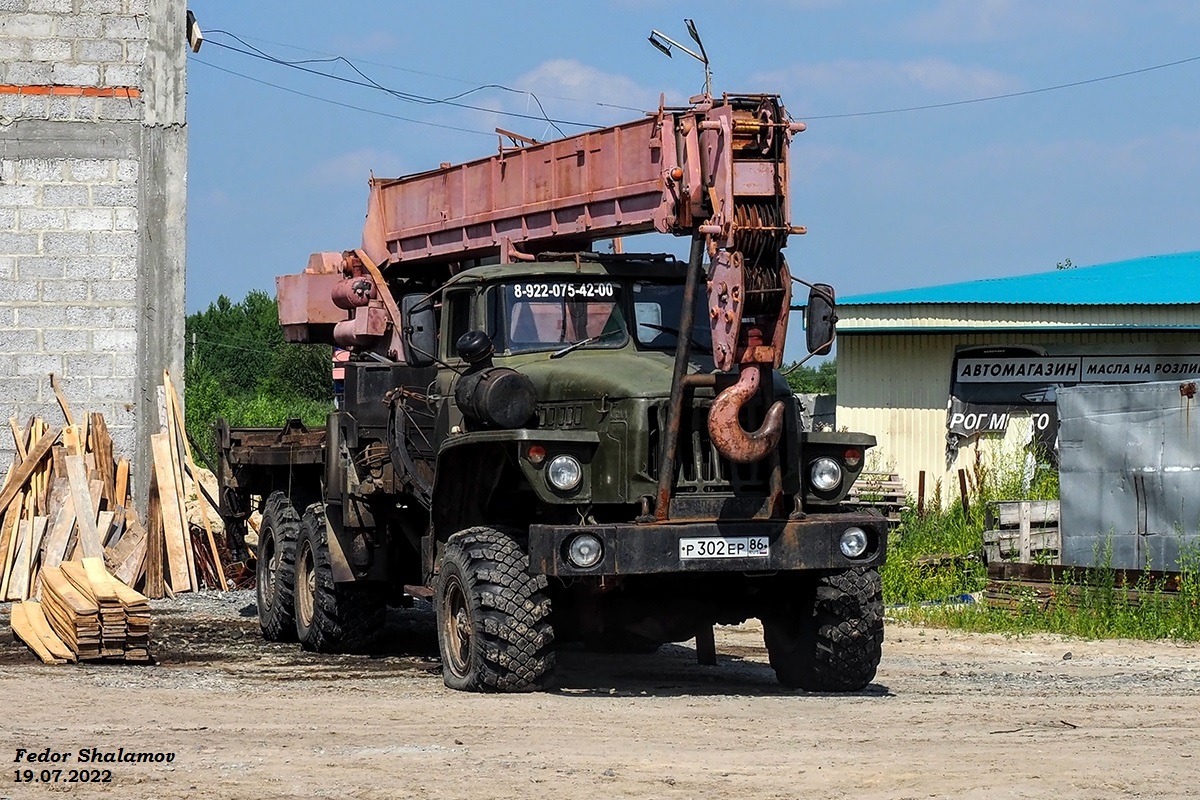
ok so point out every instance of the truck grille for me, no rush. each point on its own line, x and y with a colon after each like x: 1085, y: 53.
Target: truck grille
x: 699, y: 468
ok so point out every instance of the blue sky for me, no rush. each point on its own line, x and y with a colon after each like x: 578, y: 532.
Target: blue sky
x: 1097, y: 173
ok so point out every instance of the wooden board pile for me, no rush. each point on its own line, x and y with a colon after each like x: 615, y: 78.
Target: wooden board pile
x: 71, y: 539
x: 85, y: 615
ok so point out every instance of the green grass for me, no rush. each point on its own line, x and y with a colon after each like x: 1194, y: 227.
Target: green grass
x: 935, y: 556
x: 1095, y: 609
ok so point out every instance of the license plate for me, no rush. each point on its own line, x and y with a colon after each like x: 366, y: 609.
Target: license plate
x: 722, y: 547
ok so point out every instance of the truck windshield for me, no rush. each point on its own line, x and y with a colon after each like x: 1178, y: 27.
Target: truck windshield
x: 656, y: 310
x: 548, y: 315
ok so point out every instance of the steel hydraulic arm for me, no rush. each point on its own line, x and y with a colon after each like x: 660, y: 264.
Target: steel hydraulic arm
x: 716, y: 171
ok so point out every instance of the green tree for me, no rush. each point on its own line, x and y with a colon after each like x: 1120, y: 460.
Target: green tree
x: 239, y: 367
x: 821, y: 379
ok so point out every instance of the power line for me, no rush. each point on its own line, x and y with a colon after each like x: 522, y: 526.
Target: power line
x: 1025, y: 93
x: 371, y: 83
x: 368, y: 82
x: 475, y: 83
x: 340, y: 104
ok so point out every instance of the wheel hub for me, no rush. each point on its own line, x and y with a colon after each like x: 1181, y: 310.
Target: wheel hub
x: 456, y: 626
x: 306, y: 587
x: 272, y: 560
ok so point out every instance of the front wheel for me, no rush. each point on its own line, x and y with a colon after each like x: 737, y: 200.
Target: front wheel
x: 831, y: 640
x: 493, y: 616
x: 332, y: 617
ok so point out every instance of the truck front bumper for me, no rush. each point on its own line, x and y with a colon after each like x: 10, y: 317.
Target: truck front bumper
x: 640, y: 549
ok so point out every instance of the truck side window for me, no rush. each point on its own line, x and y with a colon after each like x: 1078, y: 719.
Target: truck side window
x: 458, y: 307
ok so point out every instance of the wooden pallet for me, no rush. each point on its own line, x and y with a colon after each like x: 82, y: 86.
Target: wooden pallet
x: 1023, y: 531
x: 879, y: 490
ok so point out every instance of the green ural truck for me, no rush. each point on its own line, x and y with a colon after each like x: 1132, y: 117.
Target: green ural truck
x: 557, y: 445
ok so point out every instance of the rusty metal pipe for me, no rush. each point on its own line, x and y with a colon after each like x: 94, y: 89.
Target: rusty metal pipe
x: 725, y: 430
x: 683, y: 346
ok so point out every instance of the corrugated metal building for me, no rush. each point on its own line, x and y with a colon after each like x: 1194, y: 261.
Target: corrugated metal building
x: 934, y: 371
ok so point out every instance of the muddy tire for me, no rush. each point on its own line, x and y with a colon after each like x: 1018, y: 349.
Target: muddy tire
x: 493, y: 616
x: 834, y: 639
x: 332, y: 617
x: 276, y: 569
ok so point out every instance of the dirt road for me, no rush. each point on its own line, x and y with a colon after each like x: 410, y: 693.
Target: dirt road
x: 950, y: 715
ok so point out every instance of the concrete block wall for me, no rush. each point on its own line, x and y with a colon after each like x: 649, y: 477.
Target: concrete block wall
x: 92, y: 197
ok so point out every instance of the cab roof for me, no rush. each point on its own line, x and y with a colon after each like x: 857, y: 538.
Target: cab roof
x: 563, y: 265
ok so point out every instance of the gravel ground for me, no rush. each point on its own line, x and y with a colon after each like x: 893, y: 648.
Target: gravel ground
x: 950, y: 715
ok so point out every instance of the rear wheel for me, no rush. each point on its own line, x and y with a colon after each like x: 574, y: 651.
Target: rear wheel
x: 832, y: 639
x: 276, y: 570
x: 493, y: 616
x: 332, y: 617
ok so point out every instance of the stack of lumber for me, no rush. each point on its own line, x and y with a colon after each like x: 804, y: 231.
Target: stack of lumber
x: 85, y: 615
x: 66, y: 498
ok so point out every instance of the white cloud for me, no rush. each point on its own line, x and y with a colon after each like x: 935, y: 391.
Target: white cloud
x: 579, y: 91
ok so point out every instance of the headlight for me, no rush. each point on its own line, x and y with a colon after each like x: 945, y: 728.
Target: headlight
x: 585, y: 550
x: 854, y: 542
x: 564, y: 473
x: 826, y: 474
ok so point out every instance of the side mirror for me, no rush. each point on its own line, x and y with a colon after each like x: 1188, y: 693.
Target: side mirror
x: 820, y: 319
x: 420, y: 333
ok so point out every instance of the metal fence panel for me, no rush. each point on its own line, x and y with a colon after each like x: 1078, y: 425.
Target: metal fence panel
x: 1130, y: 473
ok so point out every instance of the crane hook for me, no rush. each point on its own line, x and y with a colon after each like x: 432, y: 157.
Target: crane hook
x: 725, y: 430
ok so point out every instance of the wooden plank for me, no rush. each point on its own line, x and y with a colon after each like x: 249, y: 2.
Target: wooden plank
x: 173, y: 435
x: 121, y: 491
x: 14, y: 571
x: 35, y: 545
x: 59, y: 460
x: 41, y: 628
x: 1023, y: 511
x: 154, y: 542
x: 62, y: 399
x: 18, y: 587
x: 104, y: 525
x: 103, y: 448
x: 174, y: 525
x: 9, y: 540
x: 23, y: 628
x: 6, y: 534
x: 1008, y: 513
x: 19, y: 438
x: 200, y: 500
x: 132, y: 554
x: 28, y: 467
x: 89, y: 537
x: 70, y: 438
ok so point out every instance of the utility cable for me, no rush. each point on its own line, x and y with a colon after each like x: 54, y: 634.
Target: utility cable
x: 368, y: 82
x: 340, y: 104
x: 477, y: 84
x: 1008, y: 95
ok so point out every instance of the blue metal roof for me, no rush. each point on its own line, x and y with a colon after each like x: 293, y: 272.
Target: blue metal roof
x: 1154, y: 280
